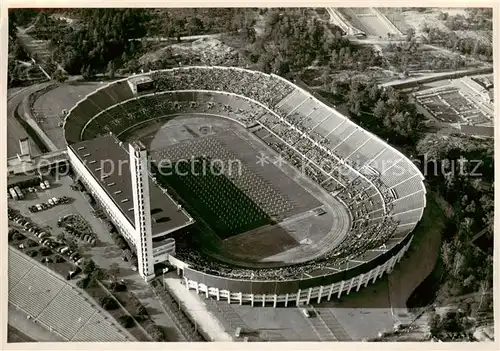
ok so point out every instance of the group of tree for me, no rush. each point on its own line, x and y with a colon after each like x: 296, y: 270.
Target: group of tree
x: 475, y: 20
x: 126, y: 321
x: 21, y: 17
x: 412, y: 53
x: 137, y: 309
x: 93, y: 275
x: 385, y: 112
x: 461, y: 170
x: 464, y: 45
x: 292, y: 42
x: 102, y: 36
x: 453, y: 325
x: 156, y: 333
x: 108, y: 303
x: 175, y: 23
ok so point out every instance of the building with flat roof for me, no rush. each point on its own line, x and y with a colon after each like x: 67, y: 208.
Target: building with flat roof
x: 120, y: 181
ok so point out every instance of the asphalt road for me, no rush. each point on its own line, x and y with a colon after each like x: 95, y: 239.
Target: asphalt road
x: 14, y: 129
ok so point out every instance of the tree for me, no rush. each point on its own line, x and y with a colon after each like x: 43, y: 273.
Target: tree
x: 194, y: 26
x: 124, y: 58
x: 71, y: 243
x: 155, y: 332
x: 83, y: 283
x: 435, y: 324
x: 334, y: 58
x: 443, y: 16
x: 325, y: 78
x: 140, y: 311
x: 484, y: 287
x: 114, y: 270
x: 410, y: 33
x: 60, y: 237
x: 280, y: 66
x: 116, y: 286
x: 108, y: 303
x: 98, y: 274
x: 380, y: 110
x: 59, y: 76
x: 356, y: 108
x: 90, y: 267
x: 86, y: 72
x: 126, y: 321
x: 111, y: 69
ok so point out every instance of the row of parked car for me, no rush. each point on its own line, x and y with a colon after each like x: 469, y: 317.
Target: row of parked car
x: 45, y: 238
x: 17, y: 193
x: 84, y: 237
x: 73, y: 226
x: 49, y: 204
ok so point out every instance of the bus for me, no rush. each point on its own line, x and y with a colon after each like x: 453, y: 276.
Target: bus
x: 13, y: 193
x: 19, y: 192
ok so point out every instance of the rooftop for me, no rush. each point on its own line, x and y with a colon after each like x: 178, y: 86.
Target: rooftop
x: 140, y: 79
x: 108, y: 161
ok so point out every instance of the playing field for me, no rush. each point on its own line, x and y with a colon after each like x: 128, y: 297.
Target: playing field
x: 214, y: 198
x: 281, y: 227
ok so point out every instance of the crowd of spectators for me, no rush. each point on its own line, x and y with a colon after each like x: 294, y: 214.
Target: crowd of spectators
x: 191, y: 90
x: 268, y: 90
x: 374, y: 236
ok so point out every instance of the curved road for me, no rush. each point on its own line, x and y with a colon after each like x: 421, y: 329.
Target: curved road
x: 15, y: 130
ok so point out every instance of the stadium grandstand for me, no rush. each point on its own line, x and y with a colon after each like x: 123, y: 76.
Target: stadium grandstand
x: 59, y: 307
x: 381, y: 188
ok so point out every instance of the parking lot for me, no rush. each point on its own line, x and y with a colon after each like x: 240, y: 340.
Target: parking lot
x: 105, y: 253
x: 48, y: 217
x: 46, y: 220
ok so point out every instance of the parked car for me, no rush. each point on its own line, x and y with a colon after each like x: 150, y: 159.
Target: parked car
x: 43, y: 235
x: 73, y: 272
x: 73, y: 255
x: 54, y: 244
x: 51, y: 202
x: 64, y: 249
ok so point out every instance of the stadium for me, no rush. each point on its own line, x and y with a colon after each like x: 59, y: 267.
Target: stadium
x: 318, y: 206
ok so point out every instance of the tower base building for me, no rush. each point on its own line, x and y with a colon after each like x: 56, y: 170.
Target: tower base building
x: 119, y: 180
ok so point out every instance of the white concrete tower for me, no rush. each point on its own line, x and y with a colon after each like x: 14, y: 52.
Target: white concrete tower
x: 142, y: 209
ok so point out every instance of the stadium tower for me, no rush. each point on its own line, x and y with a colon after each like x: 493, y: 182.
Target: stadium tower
x: 142, y: 208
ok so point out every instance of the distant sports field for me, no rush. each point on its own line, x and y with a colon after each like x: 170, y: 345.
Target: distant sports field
x: 214, y: 198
